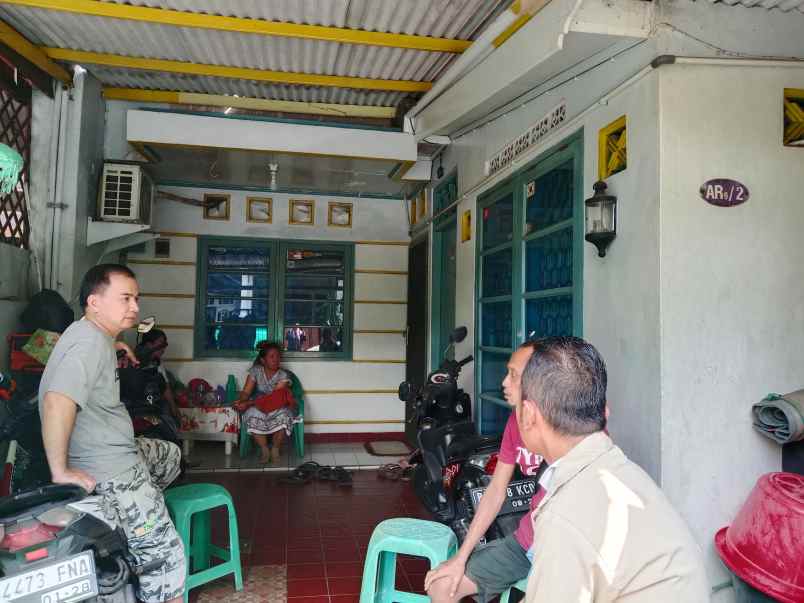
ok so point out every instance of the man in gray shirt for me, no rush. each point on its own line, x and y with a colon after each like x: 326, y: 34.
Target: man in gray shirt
x: 89, y: 439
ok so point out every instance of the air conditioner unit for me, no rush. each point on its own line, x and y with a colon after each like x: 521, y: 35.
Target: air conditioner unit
x: 126, y: 193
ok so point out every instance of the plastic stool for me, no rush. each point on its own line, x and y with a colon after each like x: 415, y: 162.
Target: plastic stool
x: 190, y: 508
x: 404, y: 535
x: 521, y: 585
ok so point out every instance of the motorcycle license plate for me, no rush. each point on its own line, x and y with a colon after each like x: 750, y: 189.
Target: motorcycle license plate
x: 66, y: 581
x: 517, y: 496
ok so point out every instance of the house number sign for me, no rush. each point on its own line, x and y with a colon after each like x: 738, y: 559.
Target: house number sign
x: 724, y: 192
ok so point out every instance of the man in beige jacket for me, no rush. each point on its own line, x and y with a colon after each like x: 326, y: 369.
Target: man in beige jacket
x: 604, y: 531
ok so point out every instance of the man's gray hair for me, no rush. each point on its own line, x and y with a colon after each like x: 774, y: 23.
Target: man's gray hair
x: 566, y: 378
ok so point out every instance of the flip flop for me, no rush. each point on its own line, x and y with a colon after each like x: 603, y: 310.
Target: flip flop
x: 390, y: 471
x: 343, y: 477
x: 407, y: 473
x: 303, y: 474
x: 326, y: 474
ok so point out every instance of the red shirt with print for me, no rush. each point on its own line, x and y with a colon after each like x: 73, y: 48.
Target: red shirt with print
x: 513, y: 450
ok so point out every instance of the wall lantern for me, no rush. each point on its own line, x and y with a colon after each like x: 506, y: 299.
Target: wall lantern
x: 601, y: 218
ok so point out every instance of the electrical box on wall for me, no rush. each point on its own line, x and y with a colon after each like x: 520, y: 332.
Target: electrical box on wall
x: 126, y: 193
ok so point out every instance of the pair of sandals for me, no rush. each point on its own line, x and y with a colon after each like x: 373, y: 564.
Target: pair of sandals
x: 394, y: 472
x: 307, y: 472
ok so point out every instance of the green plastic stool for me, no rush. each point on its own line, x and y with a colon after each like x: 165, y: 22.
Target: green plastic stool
x: 521, y: 585
x: 190, y: 507
x: 404, y: 535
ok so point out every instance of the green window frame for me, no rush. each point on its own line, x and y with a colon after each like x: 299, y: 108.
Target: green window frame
x: 503, y: 291
x: 267, y: 290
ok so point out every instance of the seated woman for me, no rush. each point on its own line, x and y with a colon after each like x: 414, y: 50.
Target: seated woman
x: 264, y: 378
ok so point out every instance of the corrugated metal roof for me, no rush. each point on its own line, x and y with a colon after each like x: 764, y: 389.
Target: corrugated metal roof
x: 150, y: 80
x: 783, y: 5
x: 457, y: 19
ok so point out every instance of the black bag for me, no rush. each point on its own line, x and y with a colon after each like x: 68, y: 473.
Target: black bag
x: 47, y: 310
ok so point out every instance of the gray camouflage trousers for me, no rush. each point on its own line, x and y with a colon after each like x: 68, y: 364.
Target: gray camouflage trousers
x: 135, y: 502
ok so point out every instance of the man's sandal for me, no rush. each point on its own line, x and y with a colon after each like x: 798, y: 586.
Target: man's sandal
x: 390, y: 471
x: 303, y: 474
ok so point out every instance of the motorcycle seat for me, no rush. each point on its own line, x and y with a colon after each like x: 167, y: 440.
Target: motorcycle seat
x: 463, y: 447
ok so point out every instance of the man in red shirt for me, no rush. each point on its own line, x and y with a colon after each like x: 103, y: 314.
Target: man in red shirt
x: 494, y: 567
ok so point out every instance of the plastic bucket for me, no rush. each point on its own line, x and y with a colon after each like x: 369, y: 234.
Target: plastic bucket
x: 764, y: 544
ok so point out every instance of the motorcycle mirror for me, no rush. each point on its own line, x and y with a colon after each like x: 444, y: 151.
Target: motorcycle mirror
x: 458, y: 335
x: 146, y: 324
x: 404, y: 391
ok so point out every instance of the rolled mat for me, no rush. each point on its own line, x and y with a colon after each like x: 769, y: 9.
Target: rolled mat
x: 781, y: 418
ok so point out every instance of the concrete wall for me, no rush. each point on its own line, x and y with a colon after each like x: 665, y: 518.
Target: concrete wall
x: 732, y: 283
x: 333, y: 404
x: 85, y: 132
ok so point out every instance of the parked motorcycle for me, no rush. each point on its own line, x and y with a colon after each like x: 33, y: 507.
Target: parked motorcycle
x: 457, y: 463
x: 56, y: 547
x: 26, y: 464
x: 141, y: 391
x: 440, y: 400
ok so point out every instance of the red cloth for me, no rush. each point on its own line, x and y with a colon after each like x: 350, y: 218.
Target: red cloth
x: 275, y: 400
x: 513, y: 450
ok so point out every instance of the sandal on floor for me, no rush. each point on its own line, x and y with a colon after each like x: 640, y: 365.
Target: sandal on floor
x: 407, y: 473
x: 303, y: 474
x: 343, y: 477
x: 390, y: 471
x: 326, y: 474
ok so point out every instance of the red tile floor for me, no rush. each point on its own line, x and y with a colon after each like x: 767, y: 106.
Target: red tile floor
x: 319, y: 531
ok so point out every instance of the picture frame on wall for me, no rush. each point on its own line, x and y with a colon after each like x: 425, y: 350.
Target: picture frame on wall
x: 340, y: 215
x: 301, y: 212
x: 216, y: 206
x: 259, y: 210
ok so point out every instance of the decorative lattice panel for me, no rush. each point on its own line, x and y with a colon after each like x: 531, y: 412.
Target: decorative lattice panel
x: 794, y: 117
x: 15, y: 131
x: 613, y: 148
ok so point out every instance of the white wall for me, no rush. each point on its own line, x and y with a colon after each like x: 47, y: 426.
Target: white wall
x: 334, y: 401
x: 620, y: 292
x: 732, y: 284
x: 76, y: 186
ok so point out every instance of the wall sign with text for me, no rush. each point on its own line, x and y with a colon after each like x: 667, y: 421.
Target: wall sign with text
x: 529, y: 138
x: 724, y: 192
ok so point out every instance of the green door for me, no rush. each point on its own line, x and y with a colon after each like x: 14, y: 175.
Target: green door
x: 529, y: 269
x: 445, y: 241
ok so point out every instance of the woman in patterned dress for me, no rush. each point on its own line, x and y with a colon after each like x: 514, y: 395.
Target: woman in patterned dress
x: 264, y: 377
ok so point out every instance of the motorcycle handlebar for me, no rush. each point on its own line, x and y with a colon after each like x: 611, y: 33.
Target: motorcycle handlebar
x: 466, y: 360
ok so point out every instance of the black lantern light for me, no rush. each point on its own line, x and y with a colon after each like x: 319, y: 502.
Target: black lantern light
x: 601, y: 218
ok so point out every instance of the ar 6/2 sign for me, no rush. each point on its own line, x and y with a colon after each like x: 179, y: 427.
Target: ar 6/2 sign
x: 724, y: 192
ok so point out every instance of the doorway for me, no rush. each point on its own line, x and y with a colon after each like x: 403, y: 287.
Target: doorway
x: 416, y: 332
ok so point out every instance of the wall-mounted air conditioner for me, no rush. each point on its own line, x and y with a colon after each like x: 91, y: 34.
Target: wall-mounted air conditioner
x: 126, y: 193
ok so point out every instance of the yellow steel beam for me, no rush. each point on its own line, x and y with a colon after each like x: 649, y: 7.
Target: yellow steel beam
x: 243, y: 73
x: 239, y: 102
x: 17, y: 42
x: 248, y: 26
